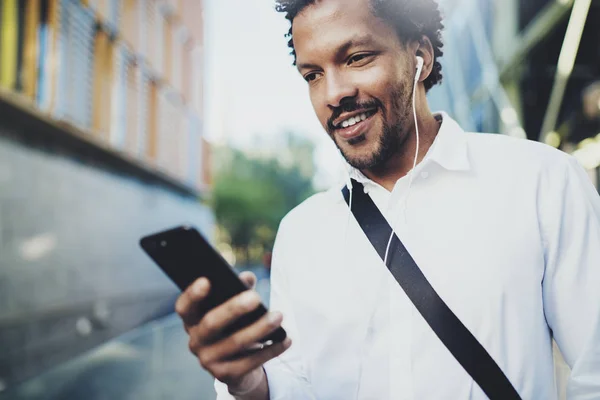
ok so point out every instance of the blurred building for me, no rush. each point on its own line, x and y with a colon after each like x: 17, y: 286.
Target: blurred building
x: 523, y: 68
x: 101, y: 142
x: 127, y: 74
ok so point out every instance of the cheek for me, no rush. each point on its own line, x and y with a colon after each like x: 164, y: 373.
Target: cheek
x: 378, y: 82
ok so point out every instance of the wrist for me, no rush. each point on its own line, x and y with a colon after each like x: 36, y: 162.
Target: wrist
x: 250, y: 384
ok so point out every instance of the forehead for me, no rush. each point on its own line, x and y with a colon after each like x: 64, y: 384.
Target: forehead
x: 321, y: 28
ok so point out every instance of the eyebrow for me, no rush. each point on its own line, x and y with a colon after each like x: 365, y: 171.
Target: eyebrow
x: 341, y: 50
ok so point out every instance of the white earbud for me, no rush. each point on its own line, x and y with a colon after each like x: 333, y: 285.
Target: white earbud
x: 420, y: 63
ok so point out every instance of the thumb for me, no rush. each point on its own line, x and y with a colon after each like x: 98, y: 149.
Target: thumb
x: 249, y: 279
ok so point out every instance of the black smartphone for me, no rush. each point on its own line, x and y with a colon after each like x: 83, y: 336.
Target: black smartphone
x: 185, y: 255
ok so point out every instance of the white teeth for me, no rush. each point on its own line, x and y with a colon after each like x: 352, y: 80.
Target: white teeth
x: 354, y: 120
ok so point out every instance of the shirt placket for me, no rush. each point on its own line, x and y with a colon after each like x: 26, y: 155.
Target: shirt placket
x: 400, y: 307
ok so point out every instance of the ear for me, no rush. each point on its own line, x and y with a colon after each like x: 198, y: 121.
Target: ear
x: 424, y: 49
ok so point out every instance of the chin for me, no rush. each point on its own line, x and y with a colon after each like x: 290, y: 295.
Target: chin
x: 360, y: 152
x: 360, y: 159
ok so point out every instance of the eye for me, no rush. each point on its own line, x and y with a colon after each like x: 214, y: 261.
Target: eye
x: 311, y: 77
x: 361, y: 58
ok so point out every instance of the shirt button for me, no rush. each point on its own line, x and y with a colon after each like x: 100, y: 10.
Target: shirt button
x: 424, y: 174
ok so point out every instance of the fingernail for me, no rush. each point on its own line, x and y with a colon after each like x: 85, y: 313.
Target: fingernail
x: 247, y: 298
x: 200, y: 287
x: 274, y: 317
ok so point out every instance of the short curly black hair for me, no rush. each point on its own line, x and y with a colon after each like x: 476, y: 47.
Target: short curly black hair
x: 412, y: 20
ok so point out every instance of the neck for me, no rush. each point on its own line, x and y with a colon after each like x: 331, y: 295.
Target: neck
x: 401, y: 164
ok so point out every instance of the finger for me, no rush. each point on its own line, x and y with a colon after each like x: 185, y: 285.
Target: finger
x: 188, y: 303
x: 249, y: 279
x: 229, y: 370
x: 242, y: 341
x: 213, y: 323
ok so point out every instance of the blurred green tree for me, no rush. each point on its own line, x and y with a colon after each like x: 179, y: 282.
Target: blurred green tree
x: 253, y: 193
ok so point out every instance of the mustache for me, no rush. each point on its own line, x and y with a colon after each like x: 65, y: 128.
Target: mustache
x: 350, y: 106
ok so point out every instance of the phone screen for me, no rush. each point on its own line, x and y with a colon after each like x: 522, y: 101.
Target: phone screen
x: 185, y: 255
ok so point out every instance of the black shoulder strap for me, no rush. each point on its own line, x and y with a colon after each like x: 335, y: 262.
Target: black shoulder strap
x: 451, y: 331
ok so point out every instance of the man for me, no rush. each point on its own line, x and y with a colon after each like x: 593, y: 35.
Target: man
x: 506, y: 231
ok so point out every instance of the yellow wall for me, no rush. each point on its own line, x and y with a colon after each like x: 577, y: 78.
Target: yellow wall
x: 31, y: 53
x: 9, y: 30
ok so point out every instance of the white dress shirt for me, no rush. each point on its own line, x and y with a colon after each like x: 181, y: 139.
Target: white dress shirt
x: 507, y: 231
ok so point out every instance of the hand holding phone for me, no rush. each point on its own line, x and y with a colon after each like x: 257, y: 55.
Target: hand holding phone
x: 231, y: 332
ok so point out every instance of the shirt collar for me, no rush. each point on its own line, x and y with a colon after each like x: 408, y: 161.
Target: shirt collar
x: 450, y: 146
x: 449, y: 149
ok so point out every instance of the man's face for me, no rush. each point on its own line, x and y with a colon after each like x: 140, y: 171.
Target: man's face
x: 360, y: 79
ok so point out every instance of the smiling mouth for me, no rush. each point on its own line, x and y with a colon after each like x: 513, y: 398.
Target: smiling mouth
x: 355, y: 120
x: 354, y: 127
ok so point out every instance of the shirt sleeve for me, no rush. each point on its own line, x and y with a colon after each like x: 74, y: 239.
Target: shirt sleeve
x: 571, y: 287
x: 286, y: 374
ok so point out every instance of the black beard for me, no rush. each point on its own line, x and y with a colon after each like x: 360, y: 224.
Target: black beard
x: 391, y: 140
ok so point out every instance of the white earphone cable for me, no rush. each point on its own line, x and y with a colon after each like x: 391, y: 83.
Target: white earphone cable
x: 374, y: 308
x: 411, y: 173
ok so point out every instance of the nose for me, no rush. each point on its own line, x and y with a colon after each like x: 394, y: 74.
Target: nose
x: 338, y: 90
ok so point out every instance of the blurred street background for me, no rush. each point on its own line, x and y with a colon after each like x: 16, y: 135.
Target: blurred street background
x: 120, y: 118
